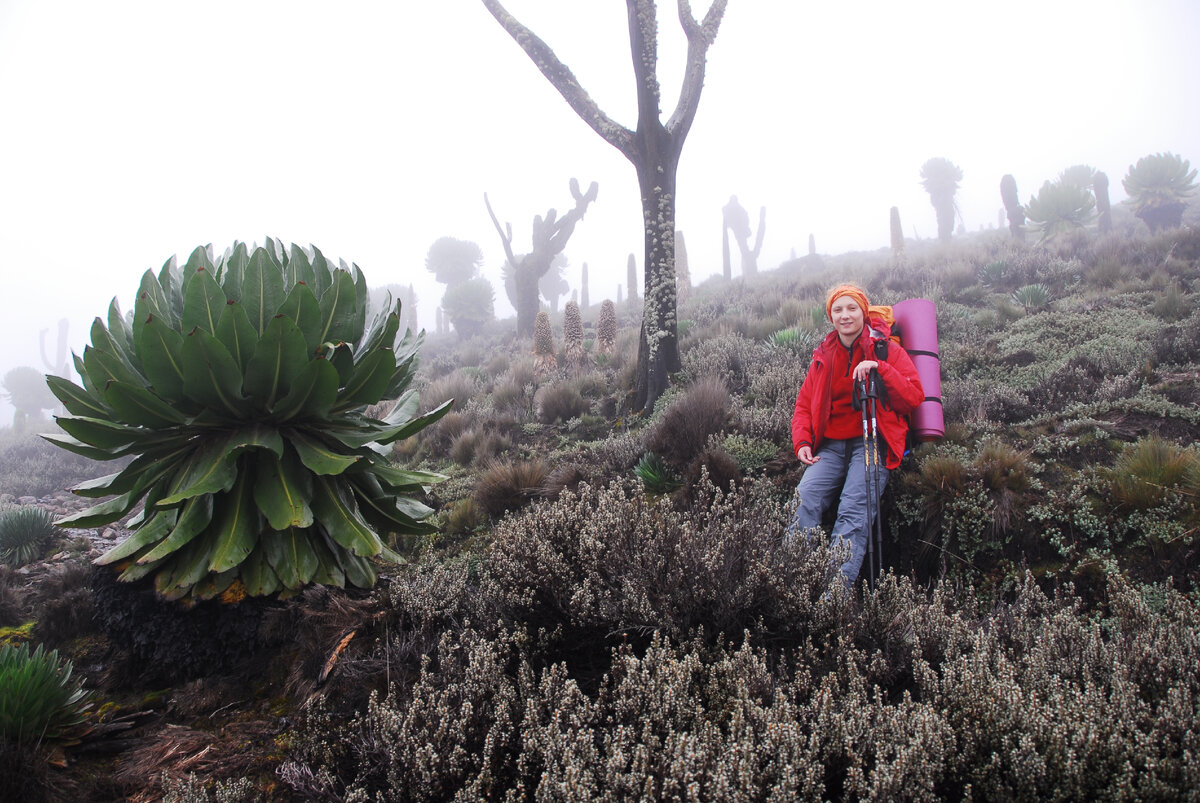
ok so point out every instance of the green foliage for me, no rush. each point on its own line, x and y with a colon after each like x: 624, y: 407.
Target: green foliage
x: 24, y: 533
x: 470, y: 305
x: 655, y: 475
x: 39, y: 702
x: 1060, y: 208
x: 1158, y: 187
x: 1032, y: 297
x: 240, y: 387
x: 993, y: 273
x: 750, y: 453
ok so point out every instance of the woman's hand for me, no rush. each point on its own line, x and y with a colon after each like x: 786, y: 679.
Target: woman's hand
x: 863, y: 369
x: 805, y: 455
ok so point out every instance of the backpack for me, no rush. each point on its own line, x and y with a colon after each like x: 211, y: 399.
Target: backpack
x: 913, y: 325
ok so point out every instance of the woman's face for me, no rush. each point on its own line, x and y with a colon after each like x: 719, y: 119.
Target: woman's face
x: 847, y: 317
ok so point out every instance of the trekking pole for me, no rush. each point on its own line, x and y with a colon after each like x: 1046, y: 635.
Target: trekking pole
x: 872, y: 397
x: 861, y: 400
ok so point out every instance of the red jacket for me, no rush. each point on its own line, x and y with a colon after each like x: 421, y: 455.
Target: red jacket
x: 899, y: 377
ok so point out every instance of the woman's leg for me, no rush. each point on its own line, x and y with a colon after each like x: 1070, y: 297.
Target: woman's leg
x: 820, y: 485
x: 852, y: 524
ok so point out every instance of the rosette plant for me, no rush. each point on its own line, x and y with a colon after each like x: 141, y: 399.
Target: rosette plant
x: 240, y: 387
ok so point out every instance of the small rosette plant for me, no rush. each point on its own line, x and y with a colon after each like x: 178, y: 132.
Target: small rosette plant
x: 240, y: 387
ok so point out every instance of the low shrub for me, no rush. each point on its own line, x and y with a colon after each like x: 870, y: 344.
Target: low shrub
x: 681, y: 431
x: 509, y: 484
x: 560, y: 401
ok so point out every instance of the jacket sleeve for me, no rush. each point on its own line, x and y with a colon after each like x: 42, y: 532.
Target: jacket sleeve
x: 900, y: 377
x: 802, y: 425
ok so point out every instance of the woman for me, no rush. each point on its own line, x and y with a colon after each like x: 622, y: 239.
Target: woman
x: 827, y: 430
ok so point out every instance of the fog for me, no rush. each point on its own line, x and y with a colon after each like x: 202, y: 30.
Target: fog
x: 137, y: 130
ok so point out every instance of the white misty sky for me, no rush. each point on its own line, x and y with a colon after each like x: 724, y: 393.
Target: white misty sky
x: 132, y: 131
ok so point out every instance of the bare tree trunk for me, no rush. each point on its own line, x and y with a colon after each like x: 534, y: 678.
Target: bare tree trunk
x: 653, y: 149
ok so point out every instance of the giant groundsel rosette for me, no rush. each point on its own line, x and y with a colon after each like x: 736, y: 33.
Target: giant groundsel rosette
x: 240, y: 387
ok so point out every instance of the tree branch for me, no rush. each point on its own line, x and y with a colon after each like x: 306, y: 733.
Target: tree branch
x: 506, y: 240
x: 699, y: 37
x: 561, y: 77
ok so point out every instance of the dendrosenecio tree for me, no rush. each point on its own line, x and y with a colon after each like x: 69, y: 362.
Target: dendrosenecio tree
x: 653, y: 147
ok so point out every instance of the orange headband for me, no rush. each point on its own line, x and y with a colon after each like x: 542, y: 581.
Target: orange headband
x: 846, y: 290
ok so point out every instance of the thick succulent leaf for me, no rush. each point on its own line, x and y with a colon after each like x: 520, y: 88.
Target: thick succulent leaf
x: 102, y: 340
x: 262, y: 290
x: 405, y: 408
x: 359, y: 437
x: 136, y: 571
x: 322, y: 272
x: 298, y: 270
x: 200, y: 258
x: 400, y: 514
x: 203, y: 303
x: 161, y: 349
x: 337, y: 511
x: 281, y: 491
x: 188, y: 567
x: 329, y: 570
x: 211, y: 375
x: 402, y: 377
x: 104, y: 513
x: 210, y: 469
x: 139, y: 407
x: 103, y: 368
x: 77, y: 400
x: 257, y: 575
x: 151, y: 302
x: 341, y: 356
x: 291, y: 554
x: 369, y: 380
x: 119, y: 327
x: 235, y: 527
x: 313, y: 393
x: 214, y: 584
x: 319, y: 457
x: 339, y: 311
x: 302, y: 307
x: 147, y: 469
x: 236, y: 334
x: 195, y: 515
x: 154, y: 530
x: 171, y: 281
x: 234, y: 271
x: 377, y: 333
x: 278, y: 359
x: 404, y: 478
x: 100, y: 432
x: 256, y: 436
x: 359, y: 571
x: 80, y: 448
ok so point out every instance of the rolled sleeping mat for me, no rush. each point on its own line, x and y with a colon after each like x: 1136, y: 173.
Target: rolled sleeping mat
x: 916, y: 322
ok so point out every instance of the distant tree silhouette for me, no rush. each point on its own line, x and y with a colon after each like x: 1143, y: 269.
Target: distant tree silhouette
x: 550, y: 237
x: 940, y: 177
x: 737, y: 220
x: 654, y: 149
x: 1012, y: 206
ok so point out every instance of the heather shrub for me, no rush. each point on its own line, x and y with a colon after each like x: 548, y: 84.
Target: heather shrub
x: 30, y: 466
x: 610, y: 560
x: 458, y: 385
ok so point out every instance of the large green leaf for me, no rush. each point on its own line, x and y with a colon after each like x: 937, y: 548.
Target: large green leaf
x: 358, y: 437
x: 161, y: 348
x: 262, y: 291
x: 203, y: 303
x: 401, y: 515
x: 278, y: 359
x: 77, y: 400
x: 380, y: 334
x: 104, y: 513
x: 139, y: 407
x: 86, y: 450
x: 321, y: 273
x: 302, y: 307
x: 171, y: 281
x: 319, y: 457
x: 195, y: 515
x: 234, y: 271
x: 188, y: 567
x: 236, y: 334
x: 211, y: 375
x: 236, y: 525
x: 313, y: 393
x: 299, y: 269
x: 256, y: 436
x: 329, y: 570
x: 359, y: 571
x: 156, y: 528
x: 103, y: 368
x: 338, y: 513
x: 151, y: 302
x: 282, y: 490
x: 291, y: 554
x: 209, y: 469
x: 256, y: 573
x: 100, y: 432
x: 147, y: 469
x: 339, y: 311
x: 119, y: 327
x: 369, y: 380
x: 102, y: 340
